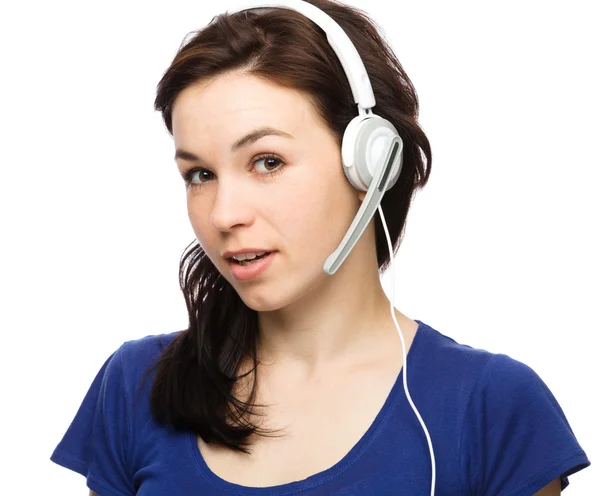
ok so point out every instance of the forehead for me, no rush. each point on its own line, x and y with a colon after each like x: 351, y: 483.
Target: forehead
x: 237, y: 101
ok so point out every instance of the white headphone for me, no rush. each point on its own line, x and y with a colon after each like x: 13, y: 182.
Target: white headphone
x: 371, y: 151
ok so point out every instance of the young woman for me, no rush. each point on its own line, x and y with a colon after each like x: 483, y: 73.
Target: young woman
x: 289, y: 380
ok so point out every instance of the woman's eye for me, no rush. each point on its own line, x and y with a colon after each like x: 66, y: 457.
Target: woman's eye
x: 271, y: 163
x: 204, y: 177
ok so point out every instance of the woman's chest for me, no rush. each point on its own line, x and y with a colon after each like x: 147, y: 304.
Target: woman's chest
x: 318, y: 430
x: 367, y: 452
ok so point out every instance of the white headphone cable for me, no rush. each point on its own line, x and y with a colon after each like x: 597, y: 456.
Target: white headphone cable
x: 405, y: 362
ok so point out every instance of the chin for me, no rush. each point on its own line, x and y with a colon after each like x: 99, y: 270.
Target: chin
x: 260, y: 304
x: 267, y: 298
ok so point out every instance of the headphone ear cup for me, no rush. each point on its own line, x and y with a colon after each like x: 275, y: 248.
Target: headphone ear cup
x: 364, y: 145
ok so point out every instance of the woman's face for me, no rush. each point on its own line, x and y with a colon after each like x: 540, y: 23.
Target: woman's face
x: 297, y: 203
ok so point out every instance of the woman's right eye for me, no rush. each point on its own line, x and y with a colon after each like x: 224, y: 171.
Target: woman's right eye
x: 187, y: 177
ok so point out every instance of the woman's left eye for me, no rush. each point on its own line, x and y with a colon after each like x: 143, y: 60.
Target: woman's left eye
x: 271, y: 162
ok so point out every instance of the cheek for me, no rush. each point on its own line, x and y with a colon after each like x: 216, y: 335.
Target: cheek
x: 194, y: 215
x: 199, y: 222
x: 315, y: 214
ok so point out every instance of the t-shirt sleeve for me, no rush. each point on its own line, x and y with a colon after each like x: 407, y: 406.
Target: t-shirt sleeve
x: 516, y: 438
x: 96, y: 443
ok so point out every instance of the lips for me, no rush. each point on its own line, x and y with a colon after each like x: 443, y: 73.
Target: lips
x: 251, y: 270
x: 265, y: 254
x: 230, y: 254
x: 251, y: 259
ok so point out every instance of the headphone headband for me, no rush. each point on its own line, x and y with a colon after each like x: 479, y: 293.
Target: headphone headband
x: 340, y: 42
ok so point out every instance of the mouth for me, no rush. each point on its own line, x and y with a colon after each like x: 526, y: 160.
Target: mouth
x: 248, y: 269
x: 245, y: 263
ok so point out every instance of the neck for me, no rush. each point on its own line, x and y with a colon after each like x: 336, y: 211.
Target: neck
x: 336, y: 323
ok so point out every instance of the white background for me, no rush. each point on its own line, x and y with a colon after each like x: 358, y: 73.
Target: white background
x: 501, y: 249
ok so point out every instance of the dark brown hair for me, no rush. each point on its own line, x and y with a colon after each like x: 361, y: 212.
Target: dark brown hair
x: 196, y: 373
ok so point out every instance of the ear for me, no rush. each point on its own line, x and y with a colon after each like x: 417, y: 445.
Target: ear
x: 361, y: 195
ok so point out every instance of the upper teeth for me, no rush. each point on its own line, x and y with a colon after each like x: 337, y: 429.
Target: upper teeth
x: 248, y: 256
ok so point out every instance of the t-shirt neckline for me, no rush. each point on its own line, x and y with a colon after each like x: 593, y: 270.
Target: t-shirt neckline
x: 334, y: 471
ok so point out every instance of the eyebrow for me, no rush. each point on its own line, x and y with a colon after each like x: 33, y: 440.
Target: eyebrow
x: 242, y: 142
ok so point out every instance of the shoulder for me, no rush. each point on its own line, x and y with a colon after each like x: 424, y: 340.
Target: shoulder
x: 482, y: 379
x: 147, y: 348
x: 506, y: 375
x: 135, y: 358
x: 442, y: 352
x: 141, y: 352
x: 513, y: 436
x: 455, y: 364
x: 99, y: 443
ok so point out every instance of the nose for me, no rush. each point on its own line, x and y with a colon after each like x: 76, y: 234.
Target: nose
x: 231, y: 207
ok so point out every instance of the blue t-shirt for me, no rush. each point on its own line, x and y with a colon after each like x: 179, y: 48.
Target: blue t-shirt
x: 495, y: 427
